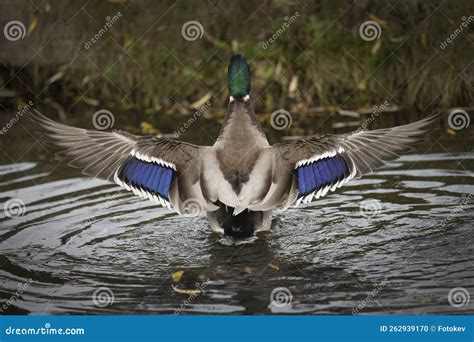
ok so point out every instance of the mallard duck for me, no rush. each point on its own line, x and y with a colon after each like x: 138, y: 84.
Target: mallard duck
x: 241, y: 178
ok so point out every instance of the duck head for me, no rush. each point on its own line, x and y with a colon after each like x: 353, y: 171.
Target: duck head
x: 238, y: 78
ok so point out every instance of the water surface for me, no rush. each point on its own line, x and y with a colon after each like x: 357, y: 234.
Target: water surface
x: 394, y: 242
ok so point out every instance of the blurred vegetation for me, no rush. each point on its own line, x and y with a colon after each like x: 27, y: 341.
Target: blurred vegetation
x: 142, y: 67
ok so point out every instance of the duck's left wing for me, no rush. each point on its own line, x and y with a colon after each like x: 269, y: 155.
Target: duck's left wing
x: 163, y: 170
x: 308, y: 168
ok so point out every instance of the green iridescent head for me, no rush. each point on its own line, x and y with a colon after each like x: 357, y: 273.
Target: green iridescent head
x: 238, y: 77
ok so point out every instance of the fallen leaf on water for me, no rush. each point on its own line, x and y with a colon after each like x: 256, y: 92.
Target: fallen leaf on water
x: 176, y: 276
x: 185, y: 291
x: 273, y: 266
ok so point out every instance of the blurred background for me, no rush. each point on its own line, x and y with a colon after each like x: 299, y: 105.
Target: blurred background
x: 154, y: 63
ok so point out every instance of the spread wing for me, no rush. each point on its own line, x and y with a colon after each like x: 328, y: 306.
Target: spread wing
x: 163, y: 170
x: 309, y: 168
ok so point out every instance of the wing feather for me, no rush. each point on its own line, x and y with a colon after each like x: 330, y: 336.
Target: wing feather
x: 103, y: 154
x: 362, y: 152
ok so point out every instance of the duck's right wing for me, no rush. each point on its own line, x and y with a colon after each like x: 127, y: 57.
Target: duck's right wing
x: 163, y: 170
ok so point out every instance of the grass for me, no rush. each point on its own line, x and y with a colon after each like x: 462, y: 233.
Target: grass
x: 142, y: 67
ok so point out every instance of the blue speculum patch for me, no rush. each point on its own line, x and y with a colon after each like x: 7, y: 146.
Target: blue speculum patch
x: 321, y: 173
x: 148, y: 176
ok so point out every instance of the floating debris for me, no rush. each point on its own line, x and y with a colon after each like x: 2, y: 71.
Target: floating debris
x: 273, y: 266
x: 176, y: 276
x: 186, y: 291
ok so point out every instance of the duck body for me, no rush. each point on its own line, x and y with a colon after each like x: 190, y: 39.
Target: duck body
x: 240, y: 179
x: 239, y: 173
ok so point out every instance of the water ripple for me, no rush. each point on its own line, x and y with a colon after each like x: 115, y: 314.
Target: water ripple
x: 78, y: 235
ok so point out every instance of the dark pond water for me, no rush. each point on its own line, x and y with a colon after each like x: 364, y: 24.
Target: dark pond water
x: 399, y: 241
x: 395, y: 242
